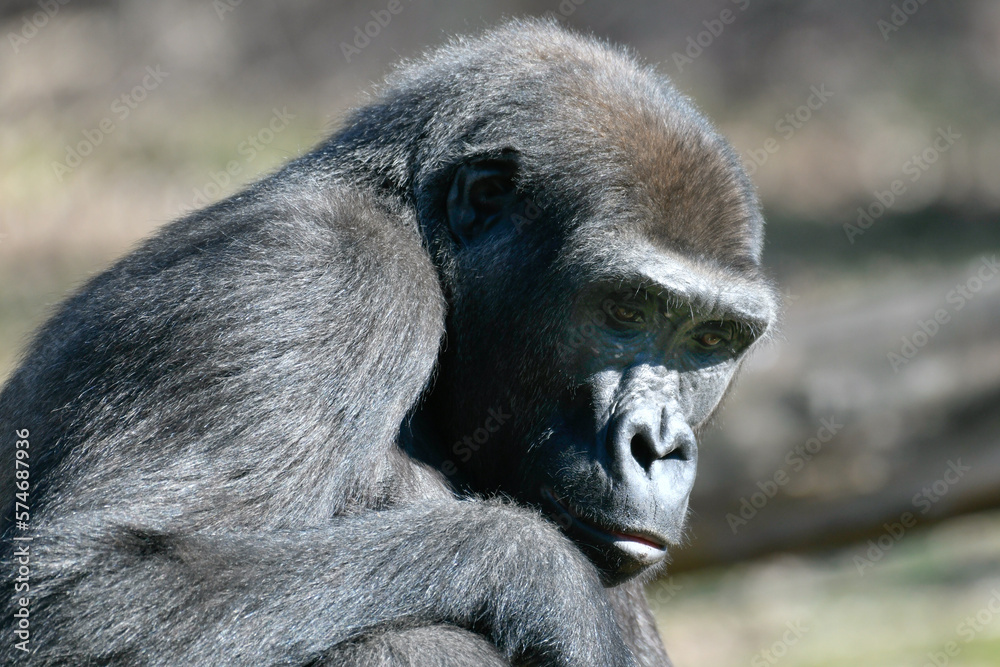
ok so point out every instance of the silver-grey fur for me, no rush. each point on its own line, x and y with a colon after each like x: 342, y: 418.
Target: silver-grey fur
x: 215, y: 420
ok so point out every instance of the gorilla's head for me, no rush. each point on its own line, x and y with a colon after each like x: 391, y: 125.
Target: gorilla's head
x: 599, y: 245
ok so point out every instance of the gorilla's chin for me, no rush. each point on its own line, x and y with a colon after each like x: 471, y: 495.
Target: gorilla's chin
x: 619, y: 553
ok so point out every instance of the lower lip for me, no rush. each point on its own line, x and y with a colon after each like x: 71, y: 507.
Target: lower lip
x: 636, y: 547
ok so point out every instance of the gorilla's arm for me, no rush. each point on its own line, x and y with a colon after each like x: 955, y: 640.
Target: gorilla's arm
x: 431, y: 645
x: 290, y: 597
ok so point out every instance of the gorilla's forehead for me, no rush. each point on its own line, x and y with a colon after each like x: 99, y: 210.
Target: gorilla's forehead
x: 640, y: 153
x: 678, y: 182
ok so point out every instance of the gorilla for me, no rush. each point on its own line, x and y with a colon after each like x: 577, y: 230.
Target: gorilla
x: 428, y: 394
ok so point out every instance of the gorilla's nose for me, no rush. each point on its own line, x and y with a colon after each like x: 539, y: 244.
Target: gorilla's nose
x: 647, y: 434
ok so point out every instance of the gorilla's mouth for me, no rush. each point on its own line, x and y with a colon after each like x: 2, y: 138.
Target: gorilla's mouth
x: 642, y: 549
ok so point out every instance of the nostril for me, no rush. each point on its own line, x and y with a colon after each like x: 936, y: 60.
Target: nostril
x: 643, y: 451
x: 645, y: 440
x: 646, y: 452
x: 677, y: 453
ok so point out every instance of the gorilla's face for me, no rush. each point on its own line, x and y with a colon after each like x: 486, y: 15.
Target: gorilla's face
x: 645, y: 356
x: 578, y: 386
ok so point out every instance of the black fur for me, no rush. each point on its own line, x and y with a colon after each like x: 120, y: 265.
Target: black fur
x: 223, y: 467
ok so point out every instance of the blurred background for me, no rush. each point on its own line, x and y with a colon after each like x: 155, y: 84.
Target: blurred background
x: 846, y: 507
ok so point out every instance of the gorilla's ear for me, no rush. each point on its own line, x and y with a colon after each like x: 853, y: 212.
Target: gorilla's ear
x: 482, y: 193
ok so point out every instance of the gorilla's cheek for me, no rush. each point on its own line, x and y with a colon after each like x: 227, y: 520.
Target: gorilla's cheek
x: 701, y: 390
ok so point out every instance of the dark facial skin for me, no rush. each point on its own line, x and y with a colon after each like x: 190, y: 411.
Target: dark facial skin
x: 619, y: 465
x: 607, y: 372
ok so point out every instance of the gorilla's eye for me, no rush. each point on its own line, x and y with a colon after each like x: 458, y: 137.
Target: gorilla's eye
x: 709, y: 339
x: 625, y: 313
x: 716, y: 336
